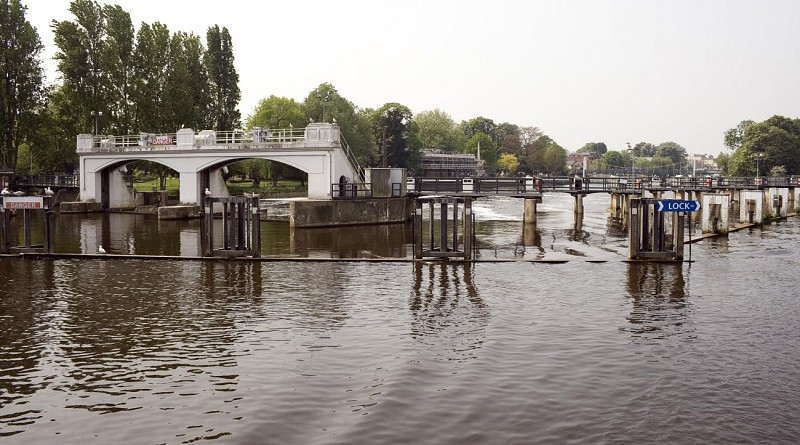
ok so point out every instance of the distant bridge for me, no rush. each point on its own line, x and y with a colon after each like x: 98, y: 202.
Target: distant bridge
x: 589, y: 184
x: 317, y: 150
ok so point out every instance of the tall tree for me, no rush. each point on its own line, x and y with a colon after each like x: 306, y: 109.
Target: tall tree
x: 354, y: 123
x: 224, y: 79
x: 508, y: 138
x: 479, y: 124
x: 152, y: 61
x: 437, y: 130
x: 117, y: 66
x: 392, y: 124
x: 187, y: 92
x: 22, y: 90
x: 488, y: 148
x: 597, y: 148
x: 671, y: 150
x: 80, y: 61
x: 277, y: 112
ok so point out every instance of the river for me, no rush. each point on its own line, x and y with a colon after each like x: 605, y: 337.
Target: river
x: 593, y: 350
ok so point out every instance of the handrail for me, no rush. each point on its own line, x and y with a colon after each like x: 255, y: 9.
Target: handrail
x: 352, y: 159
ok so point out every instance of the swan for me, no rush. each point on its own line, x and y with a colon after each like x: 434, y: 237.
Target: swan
x: 100, y: 249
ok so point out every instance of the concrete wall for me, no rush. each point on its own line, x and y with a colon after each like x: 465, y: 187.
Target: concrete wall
x: 349, y: 212
x: 382, y: 179
x: 757, y: 198
x: 715, y: 223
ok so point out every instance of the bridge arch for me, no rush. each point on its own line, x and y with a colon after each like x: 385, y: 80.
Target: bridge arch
x: 316, y: 150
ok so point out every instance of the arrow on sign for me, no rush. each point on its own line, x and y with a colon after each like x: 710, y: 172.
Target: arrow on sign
x: 677, y: 205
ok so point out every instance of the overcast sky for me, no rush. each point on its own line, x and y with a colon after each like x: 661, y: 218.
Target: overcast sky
x: 582, y: 71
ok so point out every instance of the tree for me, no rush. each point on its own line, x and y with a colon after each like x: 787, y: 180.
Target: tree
x: 508, y: 162
x: 354, y: 123
x: 187, y: 89
x: 615, y: 160
x: 594, y: 147
x: 508, y: 138
x: 477, y: 125
x: 672, y: 151
x: 118, y: 69
x: 723, y: 159
x: 224, y: 79
x: 488, y: 149
x: 151, y: 62
x: 22, y: 84
x: 392, y: 125
x: 644, y: 149
x: 734, y: 137
x: 436, y: 129
x: 80, y: 61
x: 555, y: 159
x: 277, y: 112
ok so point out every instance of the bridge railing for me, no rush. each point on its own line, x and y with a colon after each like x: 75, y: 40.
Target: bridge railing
x: 350, y: 190
x: 69, y: 181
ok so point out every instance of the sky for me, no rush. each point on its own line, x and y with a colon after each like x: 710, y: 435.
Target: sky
x: 612, y: 71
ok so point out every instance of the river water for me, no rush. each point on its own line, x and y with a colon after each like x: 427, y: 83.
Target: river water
x: 593, y: 350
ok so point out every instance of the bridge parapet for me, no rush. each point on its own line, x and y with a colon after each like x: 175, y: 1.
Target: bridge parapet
x: 313, y: 136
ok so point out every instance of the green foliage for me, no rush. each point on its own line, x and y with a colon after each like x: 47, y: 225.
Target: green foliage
x: 277, y: 112
x: 759, y: 147
x: 672, y: 151
x: 22, y: 81
x: 477, y: 125
x: 508, y: 138
x: 723, y: 161
x: 225, y: 91
x: 437, y: 130
x: 615, y: 160
x: 354, y: 123
x: 488, y: 149
x: 392, y: 128
x: 594, y: 147
x: 555, y: 159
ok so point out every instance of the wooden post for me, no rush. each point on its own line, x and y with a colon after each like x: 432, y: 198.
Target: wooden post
x: 468, y: 228
x: 430, y: 223
x: 443, y: 227
x: 417, y: 229
x: 6, y: 247
x: 529, y: 211
x: 26, y: 222
x: 455, y: 225
x: 256, y: 227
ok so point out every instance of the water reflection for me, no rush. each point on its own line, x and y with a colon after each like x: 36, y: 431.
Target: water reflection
x: 370, y: 241
x: 448, y: 313
x: 23, y: 334
x: 659, y: 299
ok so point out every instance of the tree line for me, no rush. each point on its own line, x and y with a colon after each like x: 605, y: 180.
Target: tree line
x: 117, y: 79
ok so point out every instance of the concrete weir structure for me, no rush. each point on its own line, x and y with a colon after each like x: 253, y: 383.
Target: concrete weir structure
x: 317, y: 150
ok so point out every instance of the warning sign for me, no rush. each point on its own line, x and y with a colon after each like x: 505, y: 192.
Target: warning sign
x: 32, y: 202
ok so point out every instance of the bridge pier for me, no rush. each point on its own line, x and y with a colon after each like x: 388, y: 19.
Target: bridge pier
x: 529, y: 210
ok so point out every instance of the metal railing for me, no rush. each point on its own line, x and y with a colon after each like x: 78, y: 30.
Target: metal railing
x: 63, y: 181
x: 350, y: 191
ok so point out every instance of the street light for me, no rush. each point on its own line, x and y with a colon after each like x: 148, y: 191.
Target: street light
x: 758, y: 157
x: 96, y: 115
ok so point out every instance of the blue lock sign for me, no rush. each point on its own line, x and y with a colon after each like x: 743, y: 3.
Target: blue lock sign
x: 676, y: 205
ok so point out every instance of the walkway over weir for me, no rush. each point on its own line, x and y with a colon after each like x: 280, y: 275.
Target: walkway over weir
x: 318, y: 150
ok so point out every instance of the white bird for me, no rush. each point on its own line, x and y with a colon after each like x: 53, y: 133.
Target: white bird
x: 18, y: 193
x: 207, y: 192
x: 5, y: 191
x: 48, y: 191
x: 100, y: 249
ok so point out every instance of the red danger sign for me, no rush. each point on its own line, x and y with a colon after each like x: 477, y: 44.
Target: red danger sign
x: 23, y: 203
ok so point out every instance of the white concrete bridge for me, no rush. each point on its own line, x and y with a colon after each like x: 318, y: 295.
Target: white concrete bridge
x: 317, y: 150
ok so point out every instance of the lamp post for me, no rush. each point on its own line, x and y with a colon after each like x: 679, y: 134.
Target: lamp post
x: 96, y: 117
x: 633, y: 159
x: 758, y: 158
x: 323, y: 99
